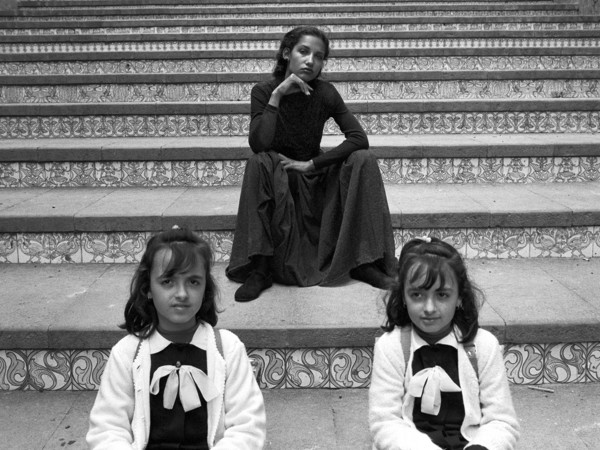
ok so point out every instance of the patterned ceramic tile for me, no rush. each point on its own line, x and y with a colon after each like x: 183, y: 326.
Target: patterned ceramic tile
x: 465, y: 170
x: 511, y: 242
x: 593, y: 362
x: 237, y: 124
x: 9, y: 175
x: 525, y: 363
x: 590, y: 168
x: 49, y: 370
x: 565, y: 363
x: 221, y: 242
x: 49, y: 247
x: 515, y: 170
x: 308, y: 368
x: 185, y: 173
x: 562, y: 242
x: 13, y: 370
x: 414, y: 171
x: 567, y: 170
x: 269, y: 367
x: 264, y: 65
x: 87, y: 367
x: 8, y: 248
x: 596, y: 241
x: 120, y: 247
x: 351, y: 367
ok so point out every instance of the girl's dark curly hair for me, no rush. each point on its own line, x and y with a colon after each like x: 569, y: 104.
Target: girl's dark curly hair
x: 429, y: 259
x: 290, y: 40
x: 187, y: 249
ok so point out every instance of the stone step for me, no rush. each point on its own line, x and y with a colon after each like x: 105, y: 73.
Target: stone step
x: 297, y: 9
x: 184, y: 88
x: 300, y: 419
x: 103, y: 224
x: 298, y: 337
x: 23, y: 66
x: 330, y: 23
x: 218, y: 161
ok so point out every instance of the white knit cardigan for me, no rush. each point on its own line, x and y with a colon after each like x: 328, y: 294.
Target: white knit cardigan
x: 490, y: 419
x: 120, y: 417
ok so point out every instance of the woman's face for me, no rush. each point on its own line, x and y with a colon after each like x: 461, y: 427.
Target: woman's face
x: 306, y: 59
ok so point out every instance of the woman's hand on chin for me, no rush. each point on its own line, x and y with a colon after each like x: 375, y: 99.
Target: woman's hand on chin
x: 293, y: 84
x: 299, y: 166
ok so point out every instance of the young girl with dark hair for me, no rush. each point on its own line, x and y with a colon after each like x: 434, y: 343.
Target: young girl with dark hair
x: 308, y: 217
x: 438, y: 380
x: 174, y: 381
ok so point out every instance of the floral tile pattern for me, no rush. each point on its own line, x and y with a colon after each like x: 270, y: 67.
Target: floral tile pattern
x: 504, y: 122
x: 191, y: 173
x: 298, y: 368
x: 471, y: 243
x: 265, y: 65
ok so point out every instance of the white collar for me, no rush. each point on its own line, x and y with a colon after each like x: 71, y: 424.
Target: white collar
x: 449, y: 339
x: 158, y: 342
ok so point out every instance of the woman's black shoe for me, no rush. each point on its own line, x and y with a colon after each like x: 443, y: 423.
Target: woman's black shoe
x: 253, y: 286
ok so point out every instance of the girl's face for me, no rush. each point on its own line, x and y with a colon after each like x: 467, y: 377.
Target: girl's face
x: 431, y: 310
x: 306, y: 59
x: 178, y: 298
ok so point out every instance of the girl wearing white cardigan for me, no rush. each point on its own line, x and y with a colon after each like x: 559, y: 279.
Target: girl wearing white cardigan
x: 438, y: 381
x: 174, y: 381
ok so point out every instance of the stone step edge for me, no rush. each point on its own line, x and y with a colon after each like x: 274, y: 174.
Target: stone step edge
x: 80, y: 306
x: 276, y: 36
x: 412, y: 206
x: 269, y: 54
x: 356, y: 106
x: 128, y: 3
x: 218, y: 148
x: 338, y: 76
x: 280, y: 21
x: 297, y: 8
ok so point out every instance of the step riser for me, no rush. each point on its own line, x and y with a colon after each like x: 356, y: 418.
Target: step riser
x: 179, y: 125
x: 244, y: 28
x: 366, y: 90
x: 333, y: 368
x: 340, y: 44
x: 485, y: 170
x: 472, y: 243
x: 377, y: 64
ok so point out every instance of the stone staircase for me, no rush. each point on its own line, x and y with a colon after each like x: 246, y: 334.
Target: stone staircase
x: 119, y: 118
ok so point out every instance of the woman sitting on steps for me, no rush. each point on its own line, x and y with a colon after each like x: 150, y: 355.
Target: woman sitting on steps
x: 308, y: 217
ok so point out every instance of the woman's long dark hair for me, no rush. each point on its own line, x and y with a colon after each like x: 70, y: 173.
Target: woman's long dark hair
x: 187, y: 249
x: 289, y: 41
x: 428, y: 259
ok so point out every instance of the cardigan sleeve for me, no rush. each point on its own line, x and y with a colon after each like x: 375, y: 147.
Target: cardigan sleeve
x: 245, y: 419
x: 111, y: 416
x: 355, y: 136
x: 499, y: 427
x: 388, y: 427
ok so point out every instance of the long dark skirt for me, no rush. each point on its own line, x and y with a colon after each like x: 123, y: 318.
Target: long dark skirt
x: 315, y: 226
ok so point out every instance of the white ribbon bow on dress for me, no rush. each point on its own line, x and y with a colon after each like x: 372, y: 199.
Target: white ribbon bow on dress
x: 429, y: 384
x: 185, y: 379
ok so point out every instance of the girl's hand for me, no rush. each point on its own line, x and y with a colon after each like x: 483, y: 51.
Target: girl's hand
x: 300, y: 166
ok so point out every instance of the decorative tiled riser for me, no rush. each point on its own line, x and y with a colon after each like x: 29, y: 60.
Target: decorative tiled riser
x: 361, y: 90
x: 168, y: 46
x: 514, y: 26
x: 297, y: 368
x: 127, y: 247
x: 503, y: 122
x: 303, y: 17
x: 230, y: 172
x: 254, y: 65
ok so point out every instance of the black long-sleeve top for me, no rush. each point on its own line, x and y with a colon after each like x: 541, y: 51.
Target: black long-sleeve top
x: 295, y: 129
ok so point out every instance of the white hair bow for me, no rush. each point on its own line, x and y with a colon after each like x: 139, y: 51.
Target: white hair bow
x: 185, y: 379
x: 428, y: 384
